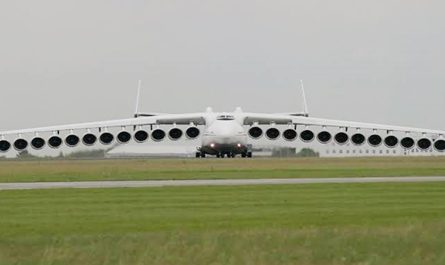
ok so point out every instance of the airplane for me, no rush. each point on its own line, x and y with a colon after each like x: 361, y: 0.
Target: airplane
x: 223, y: 134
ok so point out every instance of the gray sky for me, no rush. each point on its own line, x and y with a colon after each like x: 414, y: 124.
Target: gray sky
x: 74, y: 61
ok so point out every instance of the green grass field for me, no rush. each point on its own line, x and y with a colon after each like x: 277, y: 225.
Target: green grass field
x: 78, y: 170
x: 302, y: 224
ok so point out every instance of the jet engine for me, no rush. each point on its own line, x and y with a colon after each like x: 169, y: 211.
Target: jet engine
x: 192, y: 132
x: 37, y: 143
x: 72, y: 140
x: 358, y: 139
x: 123, y: 137
x: 424, y: 143
x: 407, y: 142
x: 439, y: 145
x: 106, y: 138
x: 158, y: 135
x: 4, y: 146
x: 272, y: 133
x: 307, y: 135
x: 20, y: 144
x: 255, y: 132
x: 55, y: 142
x: 290, y: 134
x: 89, y: 139
x: 175, y: 134
x: 141, y: 136
x: 324, y: 137
x: 391, y: 141
x: 375, y: 140
x: 341, y: 138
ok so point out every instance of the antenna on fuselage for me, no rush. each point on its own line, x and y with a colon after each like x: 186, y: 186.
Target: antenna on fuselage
x: 138, y: 95
x: 303, y: 93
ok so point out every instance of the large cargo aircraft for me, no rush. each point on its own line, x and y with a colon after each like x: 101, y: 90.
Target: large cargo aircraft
x: 224, y: 134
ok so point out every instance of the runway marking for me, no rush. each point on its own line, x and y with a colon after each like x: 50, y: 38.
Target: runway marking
x: 216, y: 182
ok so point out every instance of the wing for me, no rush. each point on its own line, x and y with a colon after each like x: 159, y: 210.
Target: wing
x: 261, y: 119
x: 344, y: 131
x: 106, y: 132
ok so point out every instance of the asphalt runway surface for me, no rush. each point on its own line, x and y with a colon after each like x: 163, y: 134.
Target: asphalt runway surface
x: 216, y: 182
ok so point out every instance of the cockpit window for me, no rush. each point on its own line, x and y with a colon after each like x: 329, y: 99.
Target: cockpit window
x: 225, y: 118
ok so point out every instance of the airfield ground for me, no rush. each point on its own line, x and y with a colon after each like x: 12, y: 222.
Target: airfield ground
x: 378, y: 223
x: 162, y: 169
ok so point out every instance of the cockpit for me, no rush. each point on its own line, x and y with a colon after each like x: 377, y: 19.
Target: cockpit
x: 225, y: 118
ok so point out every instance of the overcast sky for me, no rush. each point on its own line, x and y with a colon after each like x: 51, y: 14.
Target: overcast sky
x: 74, y: 61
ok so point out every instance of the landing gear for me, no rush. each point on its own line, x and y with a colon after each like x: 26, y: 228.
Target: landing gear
x: 249, y: 154
x: 200, y: 155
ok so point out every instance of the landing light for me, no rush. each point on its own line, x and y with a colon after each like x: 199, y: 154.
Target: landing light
x: 212, y: 145
x: 239, y: 145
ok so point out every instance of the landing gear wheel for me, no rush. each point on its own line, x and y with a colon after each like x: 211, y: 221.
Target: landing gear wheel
x: 243, y: 155
x: 198, y: 155
x: 249, y: 154
x: 203, y: 155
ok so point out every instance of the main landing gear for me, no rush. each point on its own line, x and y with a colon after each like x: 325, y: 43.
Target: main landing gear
x: 223, y: 155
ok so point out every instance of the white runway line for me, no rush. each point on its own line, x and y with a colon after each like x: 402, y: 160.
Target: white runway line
x: 216, y: 182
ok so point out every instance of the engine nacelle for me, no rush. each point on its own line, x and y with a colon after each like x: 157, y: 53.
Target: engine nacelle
x: 290, y: 134
x: 192, y: 132
x: 141, y: 136
x: 158, y: 135
x: 123, y: 137
x: 407, y: 142
x: 106, y: 138
x: 20, y: 144
x: 307, y: 136
x: 439, y: 145
x: 175, y: 134
x: 272, y: 133
x: 4, y: 146
x: 375, y: 140
x: 38, y: 143
x: 255, y: 132
x: 55, y: 142
x: 391, y: 141
x: 424, y: 143
x: 72, y: 140
x: 324, y: 137
x: 358, y: 139
x: 89, y: 139
x: 341, y: 138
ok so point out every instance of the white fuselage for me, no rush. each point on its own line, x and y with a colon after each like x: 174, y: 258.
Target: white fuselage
x: 224, y: 134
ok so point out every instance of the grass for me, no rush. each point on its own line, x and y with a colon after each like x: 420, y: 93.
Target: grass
x: 81, y: 170
x: 399, y: 223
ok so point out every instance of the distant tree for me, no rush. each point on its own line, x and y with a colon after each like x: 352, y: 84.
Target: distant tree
x: 307, y: 152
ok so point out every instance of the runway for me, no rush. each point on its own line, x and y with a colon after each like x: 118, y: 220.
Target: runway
x: 216, y: 182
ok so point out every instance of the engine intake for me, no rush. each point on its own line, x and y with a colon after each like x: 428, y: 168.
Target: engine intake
x: 124, y: 137
x: 290, y: 134
x: 407, y: 142
x: 141, y: 136
x: 358, y: 139
x: 38, y: 143
x: 255, y: 132
x: 324, y: 137
x: 341, y: 138
x: 106, y: 138
x: 439, y: 145
x: 20, y: 144
x: 89, y: 139
x: 375, y: 140
x: 158, y: 135
x: 175, y: 134
x: 391, y: 141
x: 307, y: 135
x: 192, y: 132
x: 424, y: 143
x: 72, y: 140
x: 4, y: 146
x: 272, y: 133
x: 55, y: 142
